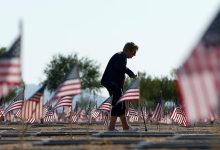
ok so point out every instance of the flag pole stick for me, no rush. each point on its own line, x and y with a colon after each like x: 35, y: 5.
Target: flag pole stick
x: 71, y: 124
x: 141, y: 108
x: 143, y: 118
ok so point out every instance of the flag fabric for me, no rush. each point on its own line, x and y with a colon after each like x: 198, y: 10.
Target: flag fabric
x: 33, y: 107
x: 1, y: 111
x: 134, y: 118
x: 131, y: 111
x: 106, y: 118
x: 178, y: 116
x: 83, y: 116
x: 69, y: 87
x: 46, y: 107
x: 198, y: 78
x: 95, y: 113
x: 9, y: 116
x: 49, y: 117
x: 16, y: 103
x: 158, y: 112
x: 106, y: 105
x: 10, y: 68
x: 64, y: 101
x: 132, y: 93
x: 68, y: 110
x: 75, y: 116
x: 48, y: 113
x: 31, y: 120
x: 18, y: 113
x: 45, y: 110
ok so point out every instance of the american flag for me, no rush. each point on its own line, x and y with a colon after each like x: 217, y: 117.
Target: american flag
x: 178, y: 116
x: 46, y: 107
x: 1, y: 111
x: 16, y: 103
x: 131, y: 111
x: 95, y: 113
x: 69, y: 87
x: 106, y: 105
x: 64, y: 101
x: 198, y: 77
x: 82, y: 115
x: 49, y: 117
x: 9, y: 117
x: 68, y: 110
x: 158, y: 112
x: 106, y: 118
x: 33, y: 107
x: 134, y: 118
x: 18, y: 113
x: 132, y: 93
x: 45, y: 110
x: 31, y: 120
x: 10, y: 68
x: 75, y: 116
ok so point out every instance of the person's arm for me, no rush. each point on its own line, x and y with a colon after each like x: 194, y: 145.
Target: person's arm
x: 130, y: 73
x: 120, y: 65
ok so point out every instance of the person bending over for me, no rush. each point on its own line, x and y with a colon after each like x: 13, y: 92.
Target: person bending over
x: 113, y: 80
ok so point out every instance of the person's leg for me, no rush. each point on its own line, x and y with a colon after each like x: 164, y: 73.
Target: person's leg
x: 124, y: 122
x: 112, y: 123
x: 112, y: 118
x: 115, y: 111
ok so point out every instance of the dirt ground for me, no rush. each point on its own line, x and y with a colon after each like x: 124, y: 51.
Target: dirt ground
x: 15, y: 136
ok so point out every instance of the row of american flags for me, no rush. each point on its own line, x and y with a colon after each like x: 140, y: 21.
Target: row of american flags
x: 99, y: 114
x: 34, y: 110
x: 198, y: 84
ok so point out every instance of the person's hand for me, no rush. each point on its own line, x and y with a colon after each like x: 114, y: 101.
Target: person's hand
x: 134, y: 76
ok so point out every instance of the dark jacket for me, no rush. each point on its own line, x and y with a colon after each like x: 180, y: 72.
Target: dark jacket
x: 115, y: 71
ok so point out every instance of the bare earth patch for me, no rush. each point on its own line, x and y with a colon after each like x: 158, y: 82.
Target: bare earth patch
x: 81, y: 136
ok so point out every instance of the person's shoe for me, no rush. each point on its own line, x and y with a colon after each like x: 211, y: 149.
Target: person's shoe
x: 131, y: 129
x: 114, y: 130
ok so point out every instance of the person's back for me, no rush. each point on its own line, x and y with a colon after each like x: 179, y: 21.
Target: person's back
x: 114, y: 72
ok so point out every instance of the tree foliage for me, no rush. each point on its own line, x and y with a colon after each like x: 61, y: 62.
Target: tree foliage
x: 13, y: 94
x: 152, y: 88
x: 61, y: 65
x: 2, y: 50
x: 86, y: 104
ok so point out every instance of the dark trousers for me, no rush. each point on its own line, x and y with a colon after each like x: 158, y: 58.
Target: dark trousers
x: 116, y: 93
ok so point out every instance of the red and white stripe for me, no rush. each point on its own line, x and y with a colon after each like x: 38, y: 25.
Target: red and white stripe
x: 75, y: 116
x: 106, y: 105
x: 179, y: 116
x: 95, y: 113
x: 10, y: 71
x: 10, y: 68
x: 64, y: 101
x: 157, y: 114
x: 33, y: 107
x: 199, y: 84
x: 131, y: 94
x: 18, y: 113
x: 1, y: 111
x: 68, y: 88
x: 15, y: 105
